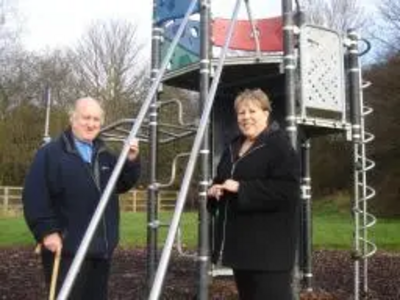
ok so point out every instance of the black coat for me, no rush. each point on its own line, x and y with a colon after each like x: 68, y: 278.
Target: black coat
x: 62, y: 191
x: 257, y: 228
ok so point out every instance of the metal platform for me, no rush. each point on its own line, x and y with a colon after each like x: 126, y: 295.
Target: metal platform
x: 253, y: 72
x: 239, y: 72
x: 320, y: 126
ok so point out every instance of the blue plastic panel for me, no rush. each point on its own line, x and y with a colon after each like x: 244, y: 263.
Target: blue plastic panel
x: 180, y: 58
x: 190, y: 39
x: 173, y: 9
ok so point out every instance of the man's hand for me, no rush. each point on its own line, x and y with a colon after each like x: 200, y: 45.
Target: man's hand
x: 53, y: 242
x: 133, y: 150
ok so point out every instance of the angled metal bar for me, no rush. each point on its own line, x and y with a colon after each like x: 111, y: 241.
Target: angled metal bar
x: 166, y: 253
x: 254, y: 29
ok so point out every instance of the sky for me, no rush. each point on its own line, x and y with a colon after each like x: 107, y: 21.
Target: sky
x: 57, y: 23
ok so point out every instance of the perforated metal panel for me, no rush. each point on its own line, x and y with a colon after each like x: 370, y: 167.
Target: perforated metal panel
x: 322, y: 69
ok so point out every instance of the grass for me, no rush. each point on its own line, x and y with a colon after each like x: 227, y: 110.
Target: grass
x: 14, y: 232
x: 332, y: 229
x: 133, y: 228
x: 333, y: 226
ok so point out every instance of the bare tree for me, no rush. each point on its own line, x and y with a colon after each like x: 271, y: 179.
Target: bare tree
x: 389, y: 24
x: 340, y: 15
x: 107, y: 66
x: 10, y: 49
x: 9, y: 27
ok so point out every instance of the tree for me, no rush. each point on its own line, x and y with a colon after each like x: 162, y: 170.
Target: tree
x: 339, y: 15
x: 9, y: 31
x: 107, y: 66
x: 383, y: 97
x: 389, y: 11
x: 9, y: 45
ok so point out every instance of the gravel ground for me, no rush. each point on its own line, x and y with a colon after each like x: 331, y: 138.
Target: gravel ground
x: 21, y: 277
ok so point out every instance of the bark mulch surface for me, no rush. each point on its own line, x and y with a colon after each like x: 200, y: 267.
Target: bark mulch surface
x: 21, y: 277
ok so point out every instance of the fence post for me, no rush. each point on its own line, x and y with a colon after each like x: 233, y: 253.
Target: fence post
x: 159, y: 208
x: 5, y: 200
x: 134, y: 200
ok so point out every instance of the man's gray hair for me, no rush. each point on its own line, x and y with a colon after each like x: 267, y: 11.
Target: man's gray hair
x: 72, y: 108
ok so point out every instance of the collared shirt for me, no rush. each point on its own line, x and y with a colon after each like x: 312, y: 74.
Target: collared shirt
x: 85, y: 149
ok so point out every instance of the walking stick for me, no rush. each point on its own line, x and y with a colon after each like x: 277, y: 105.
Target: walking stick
x: 54, y: 274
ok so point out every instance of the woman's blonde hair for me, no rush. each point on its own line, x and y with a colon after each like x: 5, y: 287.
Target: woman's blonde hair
x: 256, y: 96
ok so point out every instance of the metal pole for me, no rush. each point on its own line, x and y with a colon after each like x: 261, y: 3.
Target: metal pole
x: 166, y: 253
x: 87, y: 238
x: 306, y: 215
x: 253, y: 28
x: 152, y: 189
x: 368, y: 220
x: 364, y: 248
x: 355, y: 115
x: 306, y: 241
x: 46, y: 135
x: 289, y: 65
x: 203, y: 237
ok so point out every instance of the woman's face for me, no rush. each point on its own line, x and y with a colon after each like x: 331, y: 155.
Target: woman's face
x: 252, y: 120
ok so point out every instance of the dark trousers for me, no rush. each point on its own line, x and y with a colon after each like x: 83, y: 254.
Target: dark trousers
x: 261, y: 285
x: 91, y: 282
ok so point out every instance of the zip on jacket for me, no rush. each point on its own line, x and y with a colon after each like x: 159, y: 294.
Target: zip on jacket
x: 234, y: 164
x: 95, y: 176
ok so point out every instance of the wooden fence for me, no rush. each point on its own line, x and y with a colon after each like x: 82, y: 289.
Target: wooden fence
x: 132, y: 201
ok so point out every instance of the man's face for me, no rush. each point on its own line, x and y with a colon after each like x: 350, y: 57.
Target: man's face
x: 86, y: 120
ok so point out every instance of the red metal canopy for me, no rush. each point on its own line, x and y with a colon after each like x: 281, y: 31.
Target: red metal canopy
x: 270, y: 33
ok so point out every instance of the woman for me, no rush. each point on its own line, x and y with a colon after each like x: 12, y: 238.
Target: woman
x: 254, y: 199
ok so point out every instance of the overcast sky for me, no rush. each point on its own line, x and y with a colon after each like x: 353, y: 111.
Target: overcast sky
x: 56, y: 23
x: 52, y: 23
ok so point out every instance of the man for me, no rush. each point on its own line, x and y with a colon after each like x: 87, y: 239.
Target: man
x: 62, y: 190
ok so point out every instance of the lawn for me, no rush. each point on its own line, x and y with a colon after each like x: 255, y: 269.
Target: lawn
x: 332, y: 229
x: 14, y: 232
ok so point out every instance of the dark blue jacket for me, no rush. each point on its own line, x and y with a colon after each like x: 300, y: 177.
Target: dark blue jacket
x: 62, y: 191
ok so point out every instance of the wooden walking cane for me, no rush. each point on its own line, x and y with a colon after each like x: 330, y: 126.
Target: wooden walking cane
x: 54, y: 274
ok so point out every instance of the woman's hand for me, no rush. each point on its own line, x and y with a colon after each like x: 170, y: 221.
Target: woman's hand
x: 231, y: 185
x: 215, y: 191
